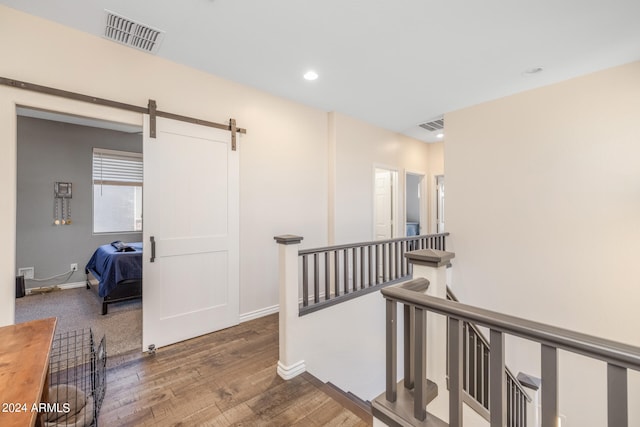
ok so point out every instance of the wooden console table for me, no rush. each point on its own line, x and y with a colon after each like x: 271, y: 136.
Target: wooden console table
x: 24, y: 366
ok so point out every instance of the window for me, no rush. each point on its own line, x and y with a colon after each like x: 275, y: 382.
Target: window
x: 117, y: 191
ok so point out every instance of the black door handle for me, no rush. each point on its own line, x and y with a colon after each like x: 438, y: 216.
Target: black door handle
x: 153, y: 249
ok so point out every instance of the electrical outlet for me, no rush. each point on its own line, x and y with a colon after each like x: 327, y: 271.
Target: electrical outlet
x: 74, y: 267
x: 27, y: 272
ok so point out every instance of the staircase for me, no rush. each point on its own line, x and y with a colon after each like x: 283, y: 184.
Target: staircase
x: 402, y: 406
x: 401, y: 411
x: 475, y: 376
x: 329, y: 277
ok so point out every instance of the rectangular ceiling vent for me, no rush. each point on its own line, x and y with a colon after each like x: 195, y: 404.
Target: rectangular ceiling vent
x: 433, y: 125
x: 131, y: 33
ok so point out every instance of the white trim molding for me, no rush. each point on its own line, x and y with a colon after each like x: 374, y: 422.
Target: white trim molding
x: 289, y: 372
x: 259, y: 313
x: 51, y: 288
x: 73, y: 285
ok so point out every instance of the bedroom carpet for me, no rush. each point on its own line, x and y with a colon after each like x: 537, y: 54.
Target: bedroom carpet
x: 79, y: 308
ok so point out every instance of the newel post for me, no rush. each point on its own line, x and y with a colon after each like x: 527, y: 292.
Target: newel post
x: 289, y: 363
x: 431, y: 264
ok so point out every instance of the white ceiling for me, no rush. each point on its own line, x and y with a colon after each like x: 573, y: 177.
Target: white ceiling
x: 393, y: 63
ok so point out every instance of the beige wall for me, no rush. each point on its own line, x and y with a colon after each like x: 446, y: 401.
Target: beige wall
x: 358, y: 148
x: 543, y: 203
x: 288, y: 158
x: 283, y: 183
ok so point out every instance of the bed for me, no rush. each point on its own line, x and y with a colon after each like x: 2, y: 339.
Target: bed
x: 115, y: 271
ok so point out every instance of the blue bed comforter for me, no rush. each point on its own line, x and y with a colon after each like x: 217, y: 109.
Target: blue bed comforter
x: 111, y: 267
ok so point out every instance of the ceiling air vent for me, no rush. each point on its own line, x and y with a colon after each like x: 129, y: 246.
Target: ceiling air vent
x: 434, y: 125
x: 132, y: 33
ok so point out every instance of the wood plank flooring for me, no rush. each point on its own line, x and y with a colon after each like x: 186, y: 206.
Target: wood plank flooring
x: 221, y: 379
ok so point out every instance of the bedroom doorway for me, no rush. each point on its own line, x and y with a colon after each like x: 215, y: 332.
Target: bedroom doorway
x: 84, y: 107
x: 414, y: 206
x: 54, y: 147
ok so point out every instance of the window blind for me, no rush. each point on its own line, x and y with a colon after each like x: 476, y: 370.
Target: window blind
x: 111, y: 167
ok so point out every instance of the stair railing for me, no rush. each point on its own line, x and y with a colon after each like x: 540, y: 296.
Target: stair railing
x: 338, y: 273
x: 475, y: 376
x: 618, y: 356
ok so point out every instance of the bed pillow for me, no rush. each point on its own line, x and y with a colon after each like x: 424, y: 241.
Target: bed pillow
x: 122, y: 247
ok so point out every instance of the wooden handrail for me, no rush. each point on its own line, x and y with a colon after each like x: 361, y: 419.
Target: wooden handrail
x: 372, y: 242
x: 618, y: 356
x: 334, y: 274
x: 485, y: 342
x: 623, y: 355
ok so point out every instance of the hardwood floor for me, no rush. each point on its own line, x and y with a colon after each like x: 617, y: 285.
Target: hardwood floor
x: 221, y: 379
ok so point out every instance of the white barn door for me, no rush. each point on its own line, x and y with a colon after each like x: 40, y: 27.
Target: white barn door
x: 190, y: 210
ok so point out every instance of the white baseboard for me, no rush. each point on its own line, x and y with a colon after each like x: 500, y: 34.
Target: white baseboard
x: 63, y: 286
x: 72, y: 285
x: 259, y: 313
x: 288, y: 372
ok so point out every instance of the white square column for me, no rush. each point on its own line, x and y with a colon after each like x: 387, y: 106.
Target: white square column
x: 289, y: 364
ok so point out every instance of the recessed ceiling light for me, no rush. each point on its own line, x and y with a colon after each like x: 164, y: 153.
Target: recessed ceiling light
x: 440, y: 135
x: 534, y: 70
x: 310, y: 75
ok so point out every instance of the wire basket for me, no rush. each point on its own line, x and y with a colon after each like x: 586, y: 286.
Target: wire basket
x: 77, y: 380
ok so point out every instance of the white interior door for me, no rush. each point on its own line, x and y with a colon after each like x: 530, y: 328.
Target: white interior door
x: 383, y: 208
x: 440, y: 204
x: 191, y: 210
